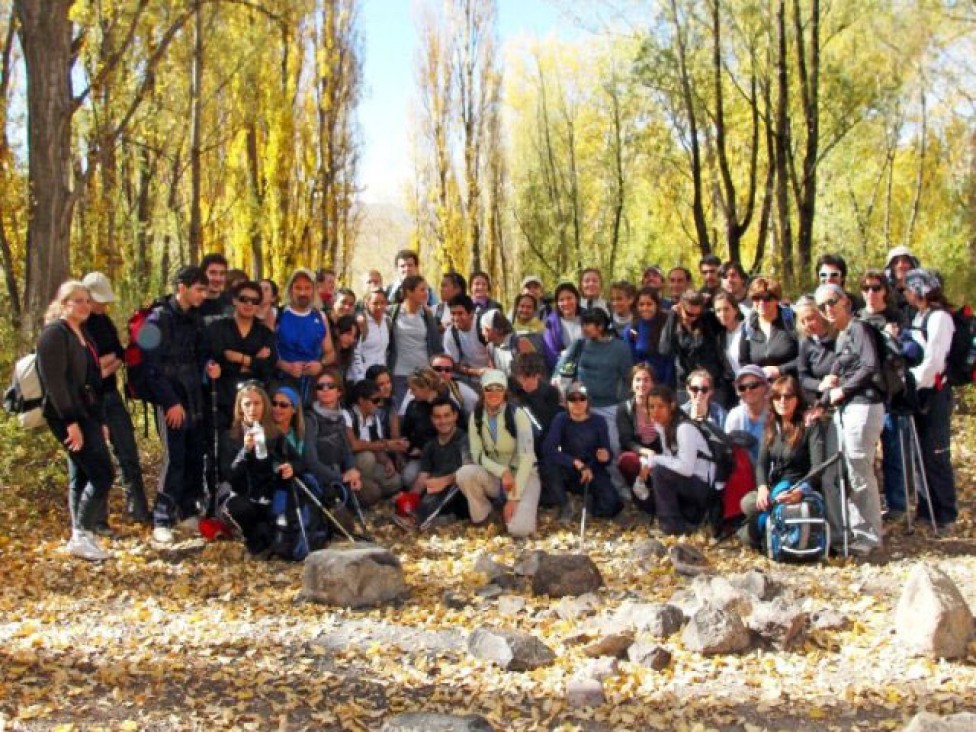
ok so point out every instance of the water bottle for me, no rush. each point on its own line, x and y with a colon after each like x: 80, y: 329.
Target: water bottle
x: 260, y: 444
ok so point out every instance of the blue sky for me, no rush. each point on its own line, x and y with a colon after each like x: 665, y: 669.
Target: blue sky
x: 390, y: 40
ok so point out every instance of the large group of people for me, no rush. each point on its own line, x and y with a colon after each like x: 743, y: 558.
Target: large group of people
x: 454, y: 405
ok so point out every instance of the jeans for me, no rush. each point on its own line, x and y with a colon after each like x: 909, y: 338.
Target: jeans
x: 90, y: 473
x: 933, y: 438
x: 123, y: 439
x: 603, y: 501
x: 181, y: 477
x: 891, y: 467
x: 682, y: 501
x: 859, y: 427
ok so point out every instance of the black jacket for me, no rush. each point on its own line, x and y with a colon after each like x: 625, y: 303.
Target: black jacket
x: 779, y: 350
x: 174, y: 369
x: 702, y: 349
x: 250, y: 477
x: 222, y: 335
x: 816, y: 360
x: 627, y: 429
x: 778, y: 461
x: 70, y: 375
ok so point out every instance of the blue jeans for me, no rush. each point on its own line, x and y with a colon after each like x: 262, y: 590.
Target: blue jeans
x: 181, y: 478
x: 90, y: 473
x: 891, y: 468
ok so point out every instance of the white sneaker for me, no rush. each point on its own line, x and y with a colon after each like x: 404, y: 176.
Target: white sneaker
x: 163, y: 535
x: 82, y: 544
x: 190, y: 525
x: 640, y: 490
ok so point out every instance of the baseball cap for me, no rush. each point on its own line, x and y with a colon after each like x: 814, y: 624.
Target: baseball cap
x: 99, y: 286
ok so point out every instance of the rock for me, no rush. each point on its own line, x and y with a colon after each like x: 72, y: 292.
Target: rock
x: 650, y: 655
x: 928, y: 722
x: 657, y: 619
x: 719, y: 592
x: 712, y: 631
x: 615, y: 645
x: 559, y: 575
x: 778, y: 622
x: 357, y: 575
x: 689, y: 561
x: 511, y: 604
x: 509, y: 581
x: 754, y: 583
x: 424, y: 722
x: 528, y: 563
x: 649, y: 549
x: 932, y: 618
x: 829, y: 619
x: 600, y: 668
x: 583, y: 692
x: 454, y: 601
x: 489, y: 592
x: 512, y: 650
x: 687, y: 601
x: 489, y: 567
x: 570, y: 608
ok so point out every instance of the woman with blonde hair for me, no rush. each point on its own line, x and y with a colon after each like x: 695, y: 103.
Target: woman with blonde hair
x: 68, y: 367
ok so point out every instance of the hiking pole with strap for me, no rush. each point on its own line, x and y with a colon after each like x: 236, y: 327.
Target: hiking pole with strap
x: 301, y: 521
x: 359, y: 512
x: 918, y: 474
x: 586, y: 495
x: 448, y: 497
x: 211, y: 508
x: 325, y: 512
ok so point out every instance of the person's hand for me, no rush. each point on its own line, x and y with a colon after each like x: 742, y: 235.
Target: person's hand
x: 400, y: 444
x: 353, y: 478
x: 75, y: 439
x: 836, y: 396
x: 389, y: 468
x: 175, y: 416
x: 762, y: 503
x: 603, y: 455
x: 586, y: 476
x: 813, y: 414
x: 508, y: 510
x: 292, y: 368
x: 793, y: 496
x: 106, y: 435
x: 436, y: 485
x: 263, y: 353
x: 644, y: 471
x: 828, y: 382
x: 892, y: 329
x: 508, y: 481
x: 286, y: 470
x: 249, y: 441
x: 313, y: 368
x: 213, y: 369
x: 772, y: 372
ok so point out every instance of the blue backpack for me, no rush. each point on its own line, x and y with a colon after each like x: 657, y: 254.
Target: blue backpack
x: 796, y: 531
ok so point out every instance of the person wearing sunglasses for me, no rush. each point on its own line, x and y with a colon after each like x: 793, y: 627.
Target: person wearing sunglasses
x: 504, y: 460
x: 858, y: 405
x: 638, y: 437
x: 768, y: 339
x: 462, y: 394
x: 700, y: 405
x: 372, y: 446
x: 753, y: 409
x: 577, y: 453
x: 243, y: 346
x: 832, y: 270
x: 692, y: 336
x: 789, y: 449
x: 326, y: 429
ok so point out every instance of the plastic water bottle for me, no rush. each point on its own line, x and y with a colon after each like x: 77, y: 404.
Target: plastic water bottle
x: 260, y: 444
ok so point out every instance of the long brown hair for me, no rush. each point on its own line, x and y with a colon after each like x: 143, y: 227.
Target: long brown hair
x: 666, y: 394
x: 645, y: 368
x: 792, y: 430
x: 238, y: 428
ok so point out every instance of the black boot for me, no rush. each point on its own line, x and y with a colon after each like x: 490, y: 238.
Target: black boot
x: 138, y: 508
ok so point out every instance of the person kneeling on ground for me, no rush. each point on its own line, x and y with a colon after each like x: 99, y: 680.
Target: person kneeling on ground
x: 504, y: 459
x: 577, y: 451
x: 440, y: 461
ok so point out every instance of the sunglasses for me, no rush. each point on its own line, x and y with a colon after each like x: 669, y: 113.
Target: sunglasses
x: 325, y: 387
x: 699, y: 389
x: 783, y: 397
x: 872, y: 288
x: 764, y: 297
x: 831, y: 303
x: 494, y: 388
x: 576, y: 398
x: 829, y: 275
x: 443, y: 369
x: 751, y: 386
x: 245, y: 300
x: 282, y: 405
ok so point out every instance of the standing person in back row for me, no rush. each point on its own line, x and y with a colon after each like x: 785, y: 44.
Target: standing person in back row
x: 174, y: 372
x: 215, y: 304
x: 304, y: 342
x: 104, y: 335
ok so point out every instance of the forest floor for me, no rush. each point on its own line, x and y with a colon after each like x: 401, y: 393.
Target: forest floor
x: 200, y: 636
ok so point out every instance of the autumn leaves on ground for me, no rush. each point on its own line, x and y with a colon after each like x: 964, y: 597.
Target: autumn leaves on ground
x: 201, y: 636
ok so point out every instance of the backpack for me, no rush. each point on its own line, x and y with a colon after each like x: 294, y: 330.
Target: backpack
x: 140, y: 340
x: 961, y: 359
x: 892, y: 379
x: 299, y: 526
x: 479, y: 421
x: 720, y: 448
x: 25, y: 395
x: 797, y: 531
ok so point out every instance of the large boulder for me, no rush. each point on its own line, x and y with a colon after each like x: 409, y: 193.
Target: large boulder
x: 357, y: 575
x: 713, y: 630
x: 689, y: 561
x: 928, y: 722
x: 778, y: 622
x: 657, y: 619
x: 512, y: 650
x: 932, y: 618
x: 430, y: 722
x: 559, y: 575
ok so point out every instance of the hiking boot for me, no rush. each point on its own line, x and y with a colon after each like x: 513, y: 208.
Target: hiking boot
x: 565, y: 515
x: 83, y: 545
x: 138, y: 509
x: 163, y: 535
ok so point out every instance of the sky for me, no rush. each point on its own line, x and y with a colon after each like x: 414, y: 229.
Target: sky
x: 390, y: 40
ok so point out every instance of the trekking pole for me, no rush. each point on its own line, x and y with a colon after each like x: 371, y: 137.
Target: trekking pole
x: 921, y: 481
x: 359, y: 511
x: 326, y: 512
x: 586, y: 495
x: 448, y: 497
x: 301, y: 522
x: 211, y: 508
x: 903, y: 437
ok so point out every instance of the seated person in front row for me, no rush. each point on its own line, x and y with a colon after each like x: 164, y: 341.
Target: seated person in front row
x: 371, y: 445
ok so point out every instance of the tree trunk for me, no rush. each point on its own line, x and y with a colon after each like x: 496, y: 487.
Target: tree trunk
x: 785, y: 228
x: 257, y: 198
x: 45, y: 37
x: 196, y: 128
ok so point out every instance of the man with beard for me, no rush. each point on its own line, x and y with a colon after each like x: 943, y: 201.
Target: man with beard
x: 303, y: 339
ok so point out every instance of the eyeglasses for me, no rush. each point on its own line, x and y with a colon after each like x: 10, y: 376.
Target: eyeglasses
x: 282, y: 405
x: 699, y: 389
x: 783, y: 397
x: 325, y: 387
x: 443, y: 369
x: 575, y: 398
x: 764, y: 297
x: 831, y: 303
x: 245, y: 300
x: 751, y: 386
x: 250, y: 384
x: 495, y: 388
x: 827, y: 275
x: 872, y: 288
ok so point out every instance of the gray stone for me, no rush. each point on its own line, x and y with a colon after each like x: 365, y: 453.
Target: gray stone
x: 712, y: 630
x: 528, y: 563
x: 657, y: 619
x: 454, y: 601
x: 559, y: 575
x: 928, y: 722
x: 829, y: 619
x: 600, y: 668
x: 583, y: 692
x: 615, y: 646
x: 719, y: 592
x: 489, y: 592
x: 512, y: 650
x: 689, y: 561
x: 778, y: 622
x: 509, y: 581
x: 649, y: 549
x: 511, y: 604
x: 754, y: 583
x: 570, y: 608
x: 487, y: 565
x: 358, y: 575
x: 932, y: 617
x: 650, y: 655
x: 424, y: 722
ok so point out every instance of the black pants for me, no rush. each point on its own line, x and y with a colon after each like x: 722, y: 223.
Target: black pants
x: 255, y: 521
x: 682, y: 502
x: 604, y: 501
x: 933, y: 437
x: 181, y: 485
x: 90, y: 474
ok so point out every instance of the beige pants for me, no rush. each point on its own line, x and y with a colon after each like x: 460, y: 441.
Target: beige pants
x: 377, y: 485
x: 479, y: 487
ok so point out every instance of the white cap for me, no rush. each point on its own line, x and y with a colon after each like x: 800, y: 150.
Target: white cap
x: 99, y: 286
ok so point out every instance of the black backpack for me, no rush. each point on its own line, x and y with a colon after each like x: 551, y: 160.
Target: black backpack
x: 961, y: 360
x: 720, y: 449
x: 893, y: 378
x: 479, y: 420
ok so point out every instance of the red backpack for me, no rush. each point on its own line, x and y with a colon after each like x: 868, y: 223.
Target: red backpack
x: 135, y: 356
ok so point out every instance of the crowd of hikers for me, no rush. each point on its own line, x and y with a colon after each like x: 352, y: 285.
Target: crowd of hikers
x: 287, y: 415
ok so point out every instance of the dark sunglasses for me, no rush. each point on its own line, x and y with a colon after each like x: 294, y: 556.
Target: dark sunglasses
x: 325, y: 387
x: 282, y: 405
x: 245, y: 300
x: 699, y: 389
x: 752, y: 385
x: 443, y: 369
x: 576, y: 398
x: 872, y: 288
x: 832, y: 302
x: 764, y: 297
x: 783, y: 397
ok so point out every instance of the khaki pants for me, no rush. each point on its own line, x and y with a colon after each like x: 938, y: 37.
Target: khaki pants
x: 479, y: 487
x: 377, y: 485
